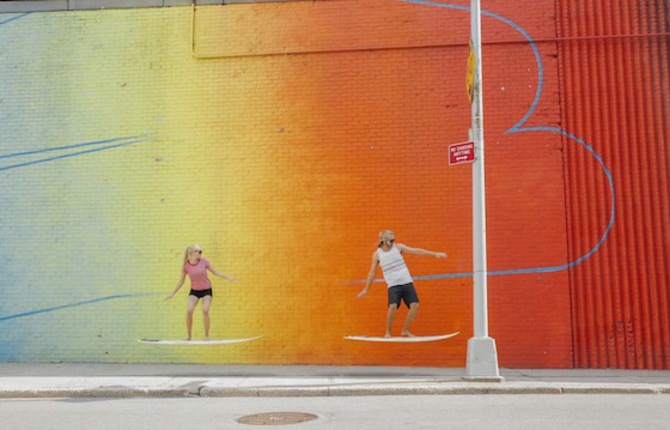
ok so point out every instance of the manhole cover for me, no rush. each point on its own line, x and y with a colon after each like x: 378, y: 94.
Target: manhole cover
x: 276, y: 418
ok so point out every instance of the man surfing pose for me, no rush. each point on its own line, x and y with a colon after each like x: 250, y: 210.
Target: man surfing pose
x: 388, y: 255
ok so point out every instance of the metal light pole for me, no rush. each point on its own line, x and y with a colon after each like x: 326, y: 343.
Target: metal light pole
x: 482, y: 361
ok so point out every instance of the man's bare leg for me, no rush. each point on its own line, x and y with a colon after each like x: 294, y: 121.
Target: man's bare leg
x: 390, y: 316
x: 413, y: 309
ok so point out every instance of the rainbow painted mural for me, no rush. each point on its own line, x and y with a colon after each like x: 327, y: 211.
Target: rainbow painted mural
x: 281, y: 137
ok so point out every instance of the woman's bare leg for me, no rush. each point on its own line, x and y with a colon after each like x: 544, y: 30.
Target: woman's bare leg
x: 206, y: 301
x: 192, y: 302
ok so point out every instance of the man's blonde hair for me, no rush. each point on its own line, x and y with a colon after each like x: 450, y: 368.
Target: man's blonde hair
x: 384, y: 235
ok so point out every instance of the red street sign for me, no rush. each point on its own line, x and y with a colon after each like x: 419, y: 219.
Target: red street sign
x: 460, y: 153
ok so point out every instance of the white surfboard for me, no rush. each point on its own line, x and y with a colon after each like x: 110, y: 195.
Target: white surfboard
x: 199, y: 342
x: 402, y: 339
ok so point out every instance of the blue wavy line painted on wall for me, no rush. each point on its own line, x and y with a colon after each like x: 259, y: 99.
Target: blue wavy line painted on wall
x: 14, y: 18
x: 74, y: 305
x: 124, y: 141
x: 517, y: 128
x: 74, y: 146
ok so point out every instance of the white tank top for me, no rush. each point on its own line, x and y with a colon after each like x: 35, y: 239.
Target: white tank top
x: 394, y: 267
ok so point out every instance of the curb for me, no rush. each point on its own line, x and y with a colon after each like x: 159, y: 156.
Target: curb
x: 339, y: 390
x: 615, y: 389
x: 103, y: 392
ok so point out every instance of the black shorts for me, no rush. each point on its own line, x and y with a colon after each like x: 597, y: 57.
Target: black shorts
x: 202, y: 293
x: 406, y: 293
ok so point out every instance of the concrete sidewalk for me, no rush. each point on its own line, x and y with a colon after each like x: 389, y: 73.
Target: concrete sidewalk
x: 27, y: 380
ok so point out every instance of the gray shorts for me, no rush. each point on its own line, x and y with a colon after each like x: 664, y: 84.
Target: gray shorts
x: 406, y: 293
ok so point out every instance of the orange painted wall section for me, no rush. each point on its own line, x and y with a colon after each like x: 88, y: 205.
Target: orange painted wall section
x: 374, y: 93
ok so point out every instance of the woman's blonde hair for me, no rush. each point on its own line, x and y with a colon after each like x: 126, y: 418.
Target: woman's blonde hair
x: 188, y: 251
x: 383, y: 235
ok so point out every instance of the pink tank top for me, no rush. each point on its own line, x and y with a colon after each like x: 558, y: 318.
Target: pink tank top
x: 198, y: 275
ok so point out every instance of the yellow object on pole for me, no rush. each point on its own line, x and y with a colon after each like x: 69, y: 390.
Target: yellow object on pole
x: 470, y: 77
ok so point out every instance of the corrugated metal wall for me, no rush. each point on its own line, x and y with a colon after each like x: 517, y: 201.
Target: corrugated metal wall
x: 614, y: 65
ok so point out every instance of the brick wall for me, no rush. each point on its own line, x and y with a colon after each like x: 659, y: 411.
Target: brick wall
x: 294, y: 135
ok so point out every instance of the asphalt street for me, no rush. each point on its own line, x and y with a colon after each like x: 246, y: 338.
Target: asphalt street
x: 462, y: 412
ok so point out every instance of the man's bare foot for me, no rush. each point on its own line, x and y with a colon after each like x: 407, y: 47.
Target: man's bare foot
x: 407, y: 334
x: 387, y: 335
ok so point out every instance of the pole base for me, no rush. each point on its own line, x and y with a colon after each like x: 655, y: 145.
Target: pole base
x: 482, y: 364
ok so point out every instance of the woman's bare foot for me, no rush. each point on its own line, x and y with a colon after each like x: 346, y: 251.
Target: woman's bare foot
x: 407, y: 334
x: 387, y: 335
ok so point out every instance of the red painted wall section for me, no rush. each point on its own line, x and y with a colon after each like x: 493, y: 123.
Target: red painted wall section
x: 615, y: 90
x: 529, y: 312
